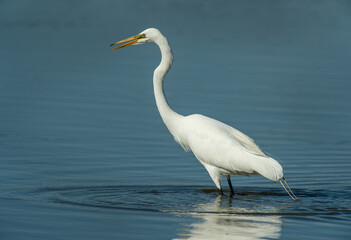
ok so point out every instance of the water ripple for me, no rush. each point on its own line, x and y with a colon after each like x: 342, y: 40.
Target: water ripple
x: 192, y: 200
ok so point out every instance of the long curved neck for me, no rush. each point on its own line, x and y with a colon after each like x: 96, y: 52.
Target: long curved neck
x: 168, y: 115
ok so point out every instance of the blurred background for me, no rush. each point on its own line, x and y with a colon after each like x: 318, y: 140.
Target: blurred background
x: 76, y: 113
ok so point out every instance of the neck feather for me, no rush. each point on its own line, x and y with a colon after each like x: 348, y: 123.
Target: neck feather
x: 168, y: 115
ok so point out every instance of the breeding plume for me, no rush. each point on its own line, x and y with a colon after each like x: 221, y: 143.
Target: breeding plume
x: 220, y: 148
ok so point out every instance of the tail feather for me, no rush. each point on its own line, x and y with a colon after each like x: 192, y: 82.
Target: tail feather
x: 290, y: 192
x: 269, y: 168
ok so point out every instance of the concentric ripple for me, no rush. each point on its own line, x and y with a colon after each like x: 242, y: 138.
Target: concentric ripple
x: 190, y: 199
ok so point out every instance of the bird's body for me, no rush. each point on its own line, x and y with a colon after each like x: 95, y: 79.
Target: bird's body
x: 220, y: 148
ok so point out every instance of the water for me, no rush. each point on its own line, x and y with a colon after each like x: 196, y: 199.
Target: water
x: 84, y: 153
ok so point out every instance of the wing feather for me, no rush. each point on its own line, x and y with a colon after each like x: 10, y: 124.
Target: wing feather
x: 247, y: 142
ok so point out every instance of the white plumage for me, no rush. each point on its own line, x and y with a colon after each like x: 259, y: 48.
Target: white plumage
x: 222, y: 149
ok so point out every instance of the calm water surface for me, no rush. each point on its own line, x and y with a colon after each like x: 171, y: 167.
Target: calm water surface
x: 84, y: 153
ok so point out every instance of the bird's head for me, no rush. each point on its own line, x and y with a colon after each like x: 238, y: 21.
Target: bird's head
x: 148, y: 35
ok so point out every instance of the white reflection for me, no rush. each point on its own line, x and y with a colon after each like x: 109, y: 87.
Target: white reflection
x: 230, y: 222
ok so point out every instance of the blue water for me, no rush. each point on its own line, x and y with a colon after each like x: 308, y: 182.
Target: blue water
x: 85, y: 154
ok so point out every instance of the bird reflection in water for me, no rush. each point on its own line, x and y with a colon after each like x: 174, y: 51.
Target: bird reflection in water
x: 221, y: 219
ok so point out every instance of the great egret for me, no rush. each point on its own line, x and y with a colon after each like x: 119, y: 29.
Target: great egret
x: 222, y: 150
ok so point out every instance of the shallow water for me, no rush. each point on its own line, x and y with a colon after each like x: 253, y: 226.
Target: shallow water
x: 84, y: 153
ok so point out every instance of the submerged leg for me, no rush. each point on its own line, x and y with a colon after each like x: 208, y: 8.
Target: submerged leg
x: 215, y: 175
x: 230, y: 185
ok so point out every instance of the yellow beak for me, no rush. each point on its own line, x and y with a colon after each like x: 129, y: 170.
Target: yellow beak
x: 132, y: 40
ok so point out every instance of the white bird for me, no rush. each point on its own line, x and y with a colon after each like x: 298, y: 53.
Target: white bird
x: 220, y: 148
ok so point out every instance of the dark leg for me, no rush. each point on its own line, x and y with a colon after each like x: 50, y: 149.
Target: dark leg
x: 230, y: 185
x: 220, y: 191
